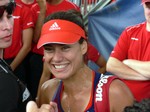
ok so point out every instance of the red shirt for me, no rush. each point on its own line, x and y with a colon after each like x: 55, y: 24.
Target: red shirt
x: 22, y: 20
x: 92, y: 53
x: 134, y: 43
x: 63, y: 6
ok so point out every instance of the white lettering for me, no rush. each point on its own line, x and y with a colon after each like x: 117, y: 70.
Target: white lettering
x: 103, y: 80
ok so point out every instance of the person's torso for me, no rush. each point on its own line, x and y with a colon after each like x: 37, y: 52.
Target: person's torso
x: 140, y: 89
x: 13, y: 94
x: 139, y: 43
x: 99, y: 94
x: 134, y: 43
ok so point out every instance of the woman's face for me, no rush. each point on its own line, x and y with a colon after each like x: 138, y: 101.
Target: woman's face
x: 6, y: 25
x: 64, y: 60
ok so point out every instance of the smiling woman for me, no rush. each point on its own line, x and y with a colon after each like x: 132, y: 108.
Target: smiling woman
x: 75, y: 88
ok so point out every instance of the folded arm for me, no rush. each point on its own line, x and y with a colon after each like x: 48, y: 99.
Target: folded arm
x: 123, y: 71
x: 120, y: 96
x: 142, y: 67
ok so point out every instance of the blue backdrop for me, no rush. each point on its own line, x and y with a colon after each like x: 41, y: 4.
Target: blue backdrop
x: 106, y: 25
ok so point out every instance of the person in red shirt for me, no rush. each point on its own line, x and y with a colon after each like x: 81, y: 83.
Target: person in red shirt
x: 130, y: 59
x: 27, y: 67
x: 76, y: 87
x: 40, y: 10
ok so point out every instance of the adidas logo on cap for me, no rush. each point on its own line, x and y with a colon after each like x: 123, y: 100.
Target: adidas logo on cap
x: 54, y: 26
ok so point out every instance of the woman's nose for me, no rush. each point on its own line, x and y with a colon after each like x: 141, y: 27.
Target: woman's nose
x: 58, y: 56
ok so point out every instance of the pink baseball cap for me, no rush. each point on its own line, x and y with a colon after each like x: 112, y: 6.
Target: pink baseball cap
x: 144, y: 1
x: 61, y: 32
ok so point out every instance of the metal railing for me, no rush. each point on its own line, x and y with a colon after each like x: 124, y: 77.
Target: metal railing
x: 85, y: 5
x: 89, y: 6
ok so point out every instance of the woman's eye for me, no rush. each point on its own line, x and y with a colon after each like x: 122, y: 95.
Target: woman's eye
x: 65, y: 47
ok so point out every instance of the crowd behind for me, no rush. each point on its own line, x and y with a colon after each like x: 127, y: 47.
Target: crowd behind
x: 128, y: 61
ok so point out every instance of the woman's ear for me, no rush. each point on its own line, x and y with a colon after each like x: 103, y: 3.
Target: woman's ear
x: 84, y: 47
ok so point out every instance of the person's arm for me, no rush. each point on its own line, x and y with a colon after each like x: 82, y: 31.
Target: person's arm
x: 142, y: 67
x: 94, y: 55
x: 101, y: 62
x: 123, y: 71
x: 26, y: 39
x: 119, y: 96
x: 46, y: 75
x: 40, y: 20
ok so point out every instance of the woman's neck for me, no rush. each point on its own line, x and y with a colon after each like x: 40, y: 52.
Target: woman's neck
x: 78, y: 82
x: 1, y: 53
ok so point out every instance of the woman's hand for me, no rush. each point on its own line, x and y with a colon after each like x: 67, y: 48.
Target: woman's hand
x: 32, y: 107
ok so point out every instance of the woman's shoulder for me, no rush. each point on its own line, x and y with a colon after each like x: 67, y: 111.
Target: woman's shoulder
x: 118, y: 87
x: 120, y: 95
x: 51, y: 84
x: 47, y: 91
